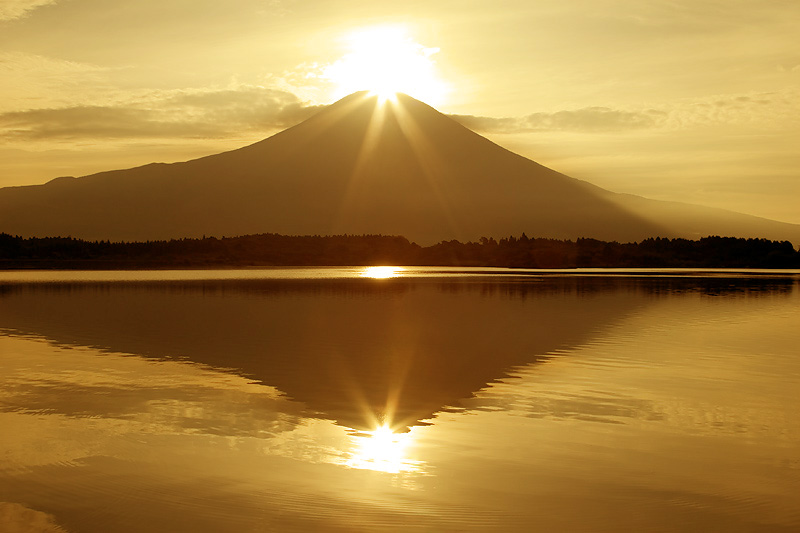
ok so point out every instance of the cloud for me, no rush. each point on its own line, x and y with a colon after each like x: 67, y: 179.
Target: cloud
x: 767, y: 110
x: 589, y: 119
x: 173, y: 114
x: 764, y: 110
x: 15, y: 9
x: 247, y: 110
x: 254, y: 107
x: 95, y: 122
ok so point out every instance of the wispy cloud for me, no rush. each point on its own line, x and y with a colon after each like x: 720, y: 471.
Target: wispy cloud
x: 186, y: 114
x: 244, y: 110
x: 15, y: 9
x: 589, y: 119
x: 765, y: 109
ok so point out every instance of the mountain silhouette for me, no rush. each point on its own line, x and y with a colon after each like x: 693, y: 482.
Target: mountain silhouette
x: 360, y: 166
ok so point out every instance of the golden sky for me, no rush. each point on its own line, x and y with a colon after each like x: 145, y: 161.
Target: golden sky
x: 688, y: 100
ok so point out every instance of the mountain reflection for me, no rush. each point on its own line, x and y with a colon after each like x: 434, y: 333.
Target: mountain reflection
x: 379, y: 356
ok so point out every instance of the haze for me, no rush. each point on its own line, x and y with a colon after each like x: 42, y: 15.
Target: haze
x: 687, y: 101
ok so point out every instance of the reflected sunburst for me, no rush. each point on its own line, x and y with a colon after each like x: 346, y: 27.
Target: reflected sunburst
x: 383, y: 450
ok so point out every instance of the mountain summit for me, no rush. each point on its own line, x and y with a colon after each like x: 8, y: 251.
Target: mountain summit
x: 359, y: 166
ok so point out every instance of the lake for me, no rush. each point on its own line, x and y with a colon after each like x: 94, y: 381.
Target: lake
x: 430, y: 399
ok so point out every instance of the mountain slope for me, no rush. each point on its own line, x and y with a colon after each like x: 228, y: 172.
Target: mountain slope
x: 359, y: 167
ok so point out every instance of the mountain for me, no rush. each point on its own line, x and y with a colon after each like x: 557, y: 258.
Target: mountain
x: 359, y: 166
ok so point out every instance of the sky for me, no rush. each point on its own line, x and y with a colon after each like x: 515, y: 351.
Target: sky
x: 686, y: 100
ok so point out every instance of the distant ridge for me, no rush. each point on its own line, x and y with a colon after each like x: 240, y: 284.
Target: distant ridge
x: 359, y: 167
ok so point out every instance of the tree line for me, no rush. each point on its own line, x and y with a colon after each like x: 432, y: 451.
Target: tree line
x: 270, y: 249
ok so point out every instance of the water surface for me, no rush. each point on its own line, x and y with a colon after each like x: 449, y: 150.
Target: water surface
x: 431, y: 399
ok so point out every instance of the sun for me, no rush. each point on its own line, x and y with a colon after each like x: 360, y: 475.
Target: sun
x: 385, y: 60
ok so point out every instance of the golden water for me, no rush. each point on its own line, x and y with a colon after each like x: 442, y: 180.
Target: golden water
x: 399, y: 399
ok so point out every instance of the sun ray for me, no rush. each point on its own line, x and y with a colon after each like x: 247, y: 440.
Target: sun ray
x: 371, y: 137
x: 433, y: 165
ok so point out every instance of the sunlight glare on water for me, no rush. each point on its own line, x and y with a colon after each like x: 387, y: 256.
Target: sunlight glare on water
x: 382, y: 272
x: 383, y: 450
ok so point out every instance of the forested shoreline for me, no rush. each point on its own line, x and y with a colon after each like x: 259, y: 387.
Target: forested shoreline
x: 271, y: 249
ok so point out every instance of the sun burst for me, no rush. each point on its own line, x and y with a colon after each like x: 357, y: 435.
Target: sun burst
x: 383, y: 450
x: 385, y: 61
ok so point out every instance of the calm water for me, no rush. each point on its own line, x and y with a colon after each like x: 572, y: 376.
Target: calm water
x: 431, y: 400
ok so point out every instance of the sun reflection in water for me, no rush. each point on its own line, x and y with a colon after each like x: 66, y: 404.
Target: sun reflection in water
x: 383, y: 450
x: 382, y: 272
